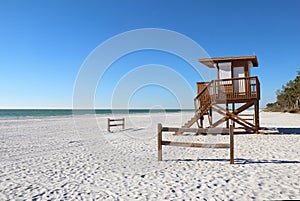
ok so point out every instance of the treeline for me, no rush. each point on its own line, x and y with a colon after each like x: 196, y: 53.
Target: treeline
x: 288, y: 98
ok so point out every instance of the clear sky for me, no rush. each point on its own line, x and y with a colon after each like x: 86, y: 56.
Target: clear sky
x: 44, y: 43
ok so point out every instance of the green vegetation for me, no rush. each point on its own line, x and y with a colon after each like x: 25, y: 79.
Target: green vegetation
x: 288, y: 98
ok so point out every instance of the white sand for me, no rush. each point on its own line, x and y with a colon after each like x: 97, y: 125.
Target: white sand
x: 61, y: 158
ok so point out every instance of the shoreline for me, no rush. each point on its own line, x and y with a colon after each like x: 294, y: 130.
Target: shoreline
x: 40, y: 113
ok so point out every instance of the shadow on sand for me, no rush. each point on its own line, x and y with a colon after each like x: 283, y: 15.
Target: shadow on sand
x: 240, y: 161
x: 132, y: 129
x: 295, y: 131
x: 288, y: 131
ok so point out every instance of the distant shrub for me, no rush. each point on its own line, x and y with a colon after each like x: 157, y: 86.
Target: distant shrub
x: 288, y: 97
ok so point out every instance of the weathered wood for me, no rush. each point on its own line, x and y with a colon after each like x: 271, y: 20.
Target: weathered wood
x: 115, y: 124
x: 256, y: 117
x: 224, y: 90
x: 220, y: 121
x: 197, y: 130
x: 227, y: 121
x: 233, y: 109
x: 196, y: 145
x: 210, y: 116
x: 108, y: 124
x: 159, y: 141
x: 243, y: 107
x: 188, y: 124
x: 209, y: 62
x: 231, y: 145
x: 231, y: 116
x: 116, y: 119
x: 233, y: 90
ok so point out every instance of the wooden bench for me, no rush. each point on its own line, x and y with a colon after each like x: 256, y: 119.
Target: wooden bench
x: 229, y: 145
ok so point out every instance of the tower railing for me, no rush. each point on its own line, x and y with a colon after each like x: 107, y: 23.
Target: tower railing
x: 226, y: 90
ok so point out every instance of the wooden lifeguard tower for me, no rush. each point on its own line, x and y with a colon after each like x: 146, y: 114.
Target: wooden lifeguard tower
x: 233, y: 92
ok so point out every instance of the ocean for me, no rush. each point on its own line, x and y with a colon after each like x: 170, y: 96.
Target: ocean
x: 19, y: 113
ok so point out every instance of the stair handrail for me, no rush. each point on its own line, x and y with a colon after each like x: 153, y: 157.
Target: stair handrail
x: 199, y: 94
x: 197, y: 97
x: 202, y: 91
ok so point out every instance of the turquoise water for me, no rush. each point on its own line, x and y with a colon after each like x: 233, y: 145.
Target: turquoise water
x: 13, y: 113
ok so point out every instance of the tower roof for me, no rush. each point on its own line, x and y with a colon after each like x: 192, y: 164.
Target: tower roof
x: 210, y: 62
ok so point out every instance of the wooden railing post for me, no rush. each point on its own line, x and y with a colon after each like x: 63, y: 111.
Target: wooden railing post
x: 233, y: 88
x: 231, y: 133
x: 108, y: 124
x: 257, y: 88
x: 117, y: 123
x: 159, y: 141
x: 248, y: 87
x: 214, y: 90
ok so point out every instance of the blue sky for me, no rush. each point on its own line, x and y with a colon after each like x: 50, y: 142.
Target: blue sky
x: 44, y: 43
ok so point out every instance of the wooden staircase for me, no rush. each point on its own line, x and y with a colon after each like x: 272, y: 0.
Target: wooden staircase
x: 213, y: 94
x: 190, y: 122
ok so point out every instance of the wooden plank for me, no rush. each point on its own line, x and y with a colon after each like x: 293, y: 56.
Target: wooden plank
x: 116, y: 119
x: 241, y: 119
x: 209, y: 62
x: 116, y: 125
x: 203, y: 90
x: 220, y: 121
x: 233, y: 117
x: 243, y: 107
x: 159, y: 141
x: 197, y: 130
x: 228, y: 89
x: 231, y: 145
x: 196, y: 145
x: 246, y: 115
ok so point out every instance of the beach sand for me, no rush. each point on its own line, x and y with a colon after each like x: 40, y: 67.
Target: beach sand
x: 66, y: 158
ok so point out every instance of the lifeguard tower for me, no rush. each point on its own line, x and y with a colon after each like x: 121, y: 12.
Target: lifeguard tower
x: 233, y: 92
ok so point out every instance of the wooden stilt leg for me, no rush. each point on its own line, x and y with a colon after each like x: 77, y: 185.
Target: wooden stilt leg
x: 227, y: 122
x: 210, y: 117
x: 231, y: 145
x: 256, y: 116
x: 233, y: 108
x: 201, y: 122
